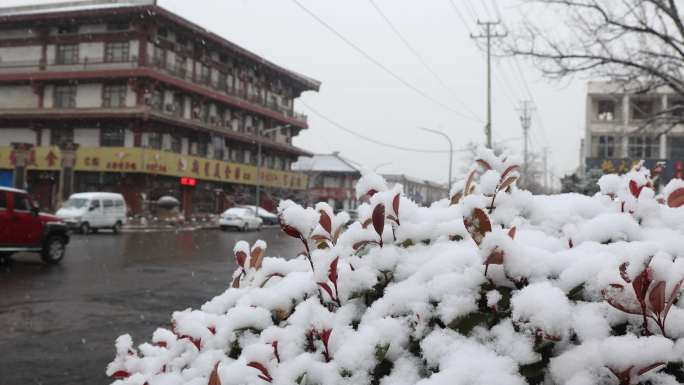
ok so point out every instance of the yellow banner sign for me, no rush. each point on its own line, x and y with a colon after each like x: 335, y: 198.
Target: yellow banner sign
x: 139, y: 160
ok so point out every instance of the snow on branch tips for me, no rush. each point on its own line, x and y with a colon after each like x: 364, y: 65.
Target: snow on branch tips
x: 491, y: 286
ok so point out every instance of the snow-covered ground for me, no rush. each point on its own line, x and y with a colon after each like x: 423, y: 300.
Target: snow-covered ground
x: 496, y: 286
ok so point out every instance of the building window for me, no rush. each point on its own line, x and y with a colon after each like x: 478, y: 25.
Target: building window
x: 605, y: 147
x: 154, y: 140
x: 219, y: 145
x: 175, y: 144
x: 180, y: 66
x: 65, y: 96
x: 158, y: 57
x: 156, y: 99
x: 676, y: 107
x: 642, y: 147
x: 676, y: 144
x: 119, y: 26
x: 112, y: 137
x: 205, y: 74
x: 606, y: 110
x: 222, y: 81
x: 202, y: 148
x: 114, y: 95
x: 66, y: 54
x: 60, y: 136
x: 67, y: 30
x: 116, y: 52
x: 643, y: 108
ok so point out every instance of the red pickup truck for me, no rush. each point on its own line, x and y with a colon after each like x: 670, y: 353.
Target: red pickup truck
x: 23, y: 228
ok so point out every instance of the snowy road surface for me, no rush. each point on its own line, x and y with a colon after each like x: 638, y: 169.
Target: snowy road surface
x: 58, y: 323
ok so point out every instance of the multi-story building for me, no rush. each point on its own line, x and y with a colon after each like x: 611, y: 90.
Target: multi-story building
x: 149, y: 98
x: 331, y: 178
x: 623, y: 127
x: 421, y: 191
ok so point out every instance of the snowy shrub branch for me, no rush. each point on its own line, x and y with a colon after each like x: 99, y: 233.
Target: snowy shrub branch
x: 493, y: 286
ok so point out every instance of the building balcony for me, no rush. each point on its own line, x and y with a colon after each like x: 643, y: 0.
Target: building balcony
x: 89, y: 67
x: 13, y: 116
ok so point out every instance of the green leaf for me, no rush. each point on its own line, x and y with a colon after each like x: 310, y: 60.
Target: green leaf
x: 576, y: 294
x: 466, y: 324
x: 381, y: 352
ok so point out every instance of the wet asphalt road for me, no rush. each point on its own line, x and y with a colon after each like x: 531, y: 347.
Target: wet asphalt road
x: 58, y: 323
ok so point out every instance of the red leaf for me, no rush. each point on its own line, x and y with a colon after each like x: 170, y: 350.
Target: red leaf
x: 275, y: 350
x: 495, y: 258
x: 484, y: 164
x: 511, y: 232
x: 649, y: 368
x: 332, y: 272
x: 120, y: 374
x: 510, y: 169
x: 240, y: 257
x: 379, y: 219
x: 289, y: 230
x: 673, y: 295
x: 657, y: 297
x: 325, y: 336
x: 641, y: 284
x: 327, y: 288
x: 325, y: 222
x: 469, y: 182
x: 214, y: 378
x: 635, y: 189
x: 623, y: 272
x: 620, y: 307
x: 395, y: 206
x: 676, y: 198
x: 361, y: 244
x: 372, y: 192
x: 264, y: 372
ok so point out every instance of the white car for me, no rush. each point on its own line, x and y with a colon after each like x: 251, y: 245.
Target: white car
x: 240, y: 218
x: 89, y: 212
x: 266, y: 216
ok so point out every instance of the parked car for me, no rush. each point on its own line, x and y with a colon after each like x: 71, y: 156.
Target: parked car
x: 266, y: 216
x: 24, y: 228
x: 240, y: 218
x: 89, y: 212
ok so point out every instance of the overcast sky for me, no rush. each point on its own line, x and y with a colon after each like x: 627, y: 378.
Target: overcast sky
x: 360, y: 96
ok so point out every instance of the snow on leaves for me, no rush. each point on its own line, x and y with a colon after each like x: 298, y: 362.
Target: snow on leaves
x: 533, y: 290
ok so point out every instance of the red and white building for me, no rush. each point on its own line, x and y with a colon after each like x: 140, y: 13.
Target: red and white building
x: 148, y: 97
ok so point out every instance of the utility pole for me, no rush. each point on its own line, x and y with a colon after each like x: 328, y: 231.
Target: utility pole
x: 488, y: 35
x: 526, y: 122
x: 546, y: 170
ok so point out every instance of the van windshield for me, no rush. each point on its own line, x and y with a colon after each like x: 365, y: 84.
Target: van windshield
x: 75, y: 203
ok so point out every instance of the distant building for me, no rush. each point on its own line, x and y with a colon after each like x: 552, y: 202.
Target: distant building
x: 619, y: 131
x: 156, y: 105
x: 421, y: 191
x: 331, y: 178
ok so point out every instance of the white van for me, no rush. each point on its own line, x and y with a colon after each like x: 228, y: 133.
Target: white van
x: 90, y: 212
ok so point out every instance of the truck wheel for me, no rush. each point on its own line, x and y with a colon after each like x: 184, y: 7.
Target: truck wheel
x: 117, y: 228
x: 85, y: 228
x: 244, y: 227
x: 53, y: 249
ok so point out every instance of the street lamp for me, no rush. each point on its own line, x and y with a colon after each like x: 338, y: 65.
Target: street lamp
x: 451, y: 152
x: 260, y: 134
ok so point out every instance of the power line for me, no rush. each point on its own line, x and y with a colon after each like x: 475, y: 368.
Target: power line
x: 421, y: 59
x: 372, y: 140
x: 496, y: 9
x: 378, y: 63
x: 460, y: 16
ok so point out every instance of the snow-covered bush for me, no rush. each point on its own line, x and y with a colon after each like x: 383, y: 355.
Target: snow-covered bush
x: 494, y: 286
